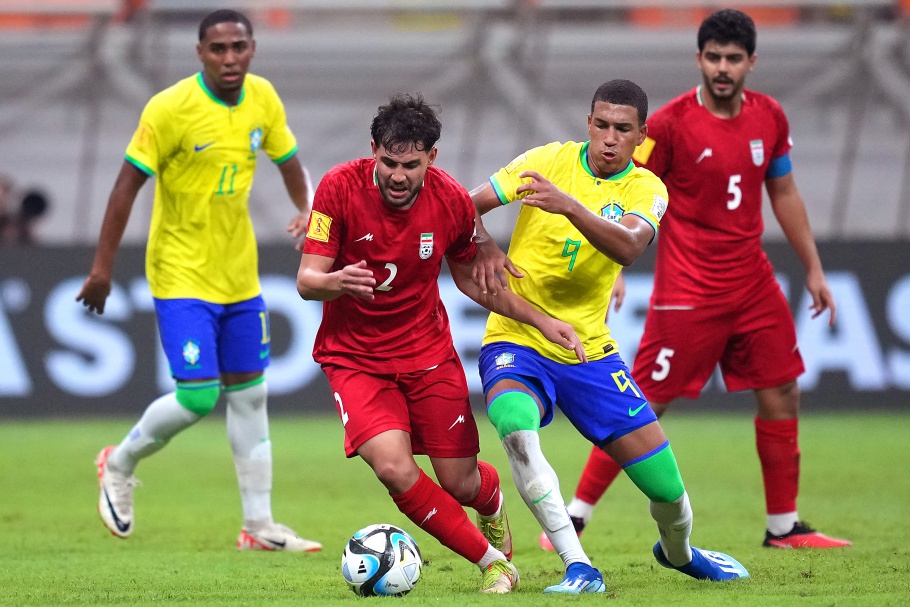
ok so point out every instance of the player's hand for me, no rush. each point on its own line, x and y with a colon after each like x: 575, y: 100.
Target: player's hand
x: 297, y: 228
x: 618, y: 295
x: 822, y: 299
x: 489, y: 268
x: 94, y: 293
x: 563, y: 335
x: 356, y: 280
x: 545, y: 195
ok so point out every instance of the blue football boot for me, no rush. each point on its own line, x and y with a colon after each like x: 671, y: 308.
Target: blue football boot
x: 706, y: 565
x: 580, y: 579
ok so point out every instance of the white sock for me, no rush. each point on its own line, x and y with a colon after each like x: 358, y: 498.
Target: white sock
x: 580, y: 509
x: 161, y: 421
x: 539, y: 488
x: 248, y: 433
x: 674, y: 521
x: 779, y: 524
x: 490, y: 556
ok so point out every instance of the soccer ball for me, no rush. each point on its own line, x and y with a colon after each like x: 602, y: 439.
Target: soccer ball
x: 381, y: 560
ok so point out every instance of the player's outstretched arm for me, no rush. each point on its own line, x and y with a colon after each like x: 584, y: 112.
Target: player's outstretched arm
x: 790, y: 211
x: 97, y: 286
x: 315, y: 281
x: 491, y: 264
x: 513, y: 306
x: 300, y: 191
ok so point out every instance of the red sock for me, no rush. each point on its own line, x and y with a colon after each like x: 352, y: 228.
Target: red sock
x: 599, y: 473
x: 778, y: 451
x: 487, y: 501
x: 436, y: 512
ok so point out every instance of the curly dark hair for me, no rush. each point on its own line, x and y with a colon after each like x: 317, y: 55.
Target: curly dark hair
x: 728, y: 26
x: 623, y: 92
x: 404, y: 121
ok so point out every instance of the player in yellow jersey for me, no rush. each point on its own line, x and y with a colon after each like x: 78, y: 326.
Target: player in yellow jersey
x: 200, y: 139
x: 587, y: 210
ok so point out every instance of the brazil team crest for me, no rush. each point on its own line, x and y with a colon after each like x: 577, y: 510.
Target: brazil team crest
x: 191, y: 352
x: 758, y: 152
x: 426, y: 245
x: 255, y: 140
x: 612, y: 211
x: 504, y: 360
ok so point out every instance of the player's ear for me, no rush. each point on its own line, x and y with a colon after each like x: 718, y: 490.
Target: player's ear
x: 199, y: 50
x: 642, y: 134
x: 431, y: 156
x: 252, y: 48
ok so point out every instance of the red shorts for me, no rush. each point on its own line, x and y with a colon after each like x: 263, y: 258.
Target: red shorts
x: 431, y: 405
x: 753, y: 339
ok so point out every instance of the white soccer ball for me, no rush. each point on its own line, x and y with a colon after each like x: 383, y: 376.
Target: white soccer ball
x: 381, y: 560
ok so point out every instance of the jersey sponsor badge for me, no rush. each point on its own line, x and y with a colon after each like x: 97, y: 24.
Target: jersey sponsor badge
x: 426, y: 245
x: 643, y: 152
x: 659, y: 207
x: 612, y: 211
x: 320, y: 226
x: 758, y: 152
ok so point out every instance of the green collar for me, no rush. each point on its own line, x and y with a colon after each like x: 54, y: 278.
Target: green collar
x: 214, y: 97
x: 583, y: 158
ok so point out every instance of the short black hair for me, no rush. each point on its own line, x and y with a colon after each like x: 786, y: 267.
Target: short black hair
x: 404, y: 121
x: 623, y: 92
x: 728, y: 26
x: 224, y: 15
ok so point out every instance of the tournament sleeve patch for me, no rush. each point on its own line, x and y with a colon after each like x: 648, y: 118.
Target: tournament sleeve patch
x: 659, y: 207
x: 510, y: 168
x: 320, y: 226
x: 643, y: 152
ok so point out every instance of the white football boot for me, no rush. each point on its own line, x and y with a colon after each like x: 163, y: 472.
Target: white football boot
x: 275, y: 537
x: 115, y: 504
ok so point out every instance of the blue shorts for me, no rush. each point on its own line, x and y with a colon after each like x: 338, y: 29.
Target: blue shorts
x: 202, y: 340
x: 599, y: 397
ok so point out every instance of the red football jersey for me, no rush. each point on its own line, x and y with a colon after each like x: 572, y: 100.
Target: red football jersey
x: 714, y: 170
x: 405, y: 328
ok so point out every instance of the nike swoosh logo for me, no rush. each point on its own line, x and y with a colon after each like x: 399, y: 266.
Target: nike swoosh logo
x: 199, y: 148
x: 634, y: 412
x: 123, y: 527
x: 263, y: 354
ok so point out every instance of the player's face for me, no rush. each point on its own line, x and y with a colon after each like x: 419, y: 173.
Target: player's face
x: 614, y: 133
x: 225, y: 53
x: 400, y: 173
x: 724, y: 68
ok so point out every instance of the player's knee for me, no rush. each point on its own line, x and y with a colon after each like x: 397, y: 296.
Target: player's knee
x: 513, y: 411
x: 657, y: 476
x: 198, y: 398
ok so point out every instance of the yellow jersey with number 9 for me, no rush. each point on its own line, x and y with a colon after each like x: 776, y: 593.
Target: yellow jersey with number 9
x: 565, y: 276
x: 203, y: 153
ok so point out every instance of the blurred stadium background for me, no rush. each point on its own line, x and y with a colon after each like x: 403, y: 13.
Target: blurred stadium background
x: 508, y: 75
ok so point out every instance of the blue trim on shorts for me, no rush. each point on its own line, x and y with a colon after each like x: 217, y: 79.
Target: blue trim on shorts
x: 642, y: 458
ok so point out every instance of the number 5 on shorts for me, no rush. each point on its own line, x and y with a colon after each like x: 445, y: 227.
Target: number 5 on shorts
x: 663, y: 363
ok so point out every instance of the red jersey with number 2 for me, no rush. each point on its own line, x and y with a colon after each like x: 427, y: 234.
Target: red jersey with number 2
x: 714, y: 170
x: 405, y: 328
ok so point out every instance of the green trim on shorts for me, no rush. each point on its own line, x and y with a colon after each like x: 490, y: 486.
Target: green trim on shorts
x: 248, y: 384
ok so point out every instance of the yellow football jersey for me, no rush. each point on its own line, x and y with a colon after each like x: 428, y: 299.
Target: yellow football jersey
x: 201, y: 243
x: 565, y: 276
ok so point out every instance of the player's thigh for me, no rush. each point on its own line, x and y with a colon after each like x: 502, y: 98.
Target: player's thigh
x: 506, y: 364
x: 367, y: 405
x: 601, y: 399
x: 439, y: 409
x: 679, y: 351
x: 763, y: 352
x: 243, y: 339
x: 189, y: 336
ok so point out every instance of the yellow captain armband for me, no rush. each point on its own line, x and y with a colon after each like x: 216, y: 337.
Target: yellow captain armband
x: 643, y: 152
x: 320, y: 227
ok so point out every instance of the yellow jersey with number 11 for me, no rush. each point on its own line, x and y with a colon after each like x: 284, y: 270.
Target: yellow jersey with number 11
x: 565, y: 276
x: 203, y: 153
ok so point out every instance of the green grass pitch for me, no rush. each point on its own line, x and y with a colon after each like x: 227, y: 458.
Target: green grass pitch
x: 55, y: 551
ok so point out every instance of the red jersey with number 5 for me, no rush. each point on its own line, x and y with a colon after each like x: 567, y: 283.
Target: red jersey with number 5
x: 714, y: 170
x: 405, y: 328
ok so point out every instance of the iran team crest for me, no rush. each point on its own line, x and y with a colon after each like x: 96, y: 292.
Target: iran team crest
x: 758, y: 152
x: 426, y: 245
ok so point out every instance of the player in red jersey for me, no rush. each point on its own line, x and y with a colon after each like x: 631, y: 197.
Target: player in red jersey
x: 378, y: 233
x: 715, y: 297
